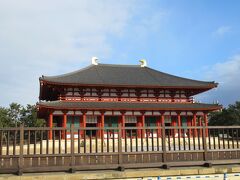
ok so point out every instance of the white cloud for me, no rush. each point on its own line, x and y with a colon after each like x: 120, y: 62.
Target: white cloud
x: 228, y: 75
x: 50, y: 37
x: 222, y: 30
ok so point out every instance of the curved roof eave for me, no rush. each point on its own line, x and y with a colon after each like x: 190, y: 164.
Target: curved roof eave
x: 60, y: 105
x: 210, y: 86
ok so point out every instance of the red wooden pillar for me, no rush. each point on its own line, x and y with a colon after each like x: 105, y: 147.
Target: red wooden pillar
x: 206, y: 123
x: 84, y: 120
x: 173, y: 124
x: 141, y: 124
x: 64, y: 124
x: 179, y: 124
x: 195, y: 123
x: 83, y: 123
x: 200, y: 124
x: 98, y: 133
x: 122, y: 123
x: 50, y: 124
x: 189, y: 123
x: 102, y: 125
x: 159, y: 124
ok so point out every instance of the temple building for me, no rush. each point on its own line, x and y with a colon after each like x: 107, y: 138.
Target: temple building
x: 107, y: 95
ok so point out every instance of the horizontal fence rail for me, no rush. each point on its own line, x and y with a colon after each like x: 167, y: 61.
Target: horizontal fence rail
x: 25, y: 149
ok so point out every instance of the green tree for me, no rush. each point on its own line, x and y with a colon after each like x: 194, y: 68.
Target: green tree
x: 227, y: 117
x: 17, y: 114
x: 5, y: 121
x: 29, y: 117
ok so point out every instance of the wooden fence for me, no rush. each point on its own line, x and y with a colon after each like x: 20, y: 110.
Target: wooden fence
x: 25, y: 149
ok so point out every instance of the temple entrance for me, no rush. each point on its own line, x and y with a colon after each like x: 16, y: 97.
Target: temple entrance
x: 111, y: 121
x: 72, y: 121
x: 131, y: 121
x: 168, y: 123
x: 167, y: 131
x: 131, y: 132
x: 91, y: 121
x: 151, y: 121
x: 57, y: 121
x: 91, y: 132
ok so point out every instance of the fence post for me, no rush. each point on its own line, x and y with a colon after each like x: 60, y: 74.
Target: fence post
x: 72, y: 170
x: 120, y: 167
x: 20, y: 160
x: 207, y: 164
x: 165, y: 166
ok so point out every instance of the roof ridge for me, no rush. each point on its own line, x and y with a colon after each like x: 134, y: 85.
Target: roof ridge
x: 117, y: 65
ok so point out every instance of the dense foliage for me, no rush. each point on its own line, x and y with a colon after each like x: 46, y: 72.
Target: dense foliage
x: 227, y: 117
x: 17, y: 114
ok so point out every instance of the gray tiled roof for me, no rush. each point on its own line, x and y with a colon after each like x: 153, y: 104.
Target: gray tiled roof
x: 128, y: 105
x: 124, y: 75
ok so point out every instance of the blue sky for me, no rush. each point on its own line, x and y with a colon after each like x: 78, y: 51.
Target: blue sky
x: 193, y: 39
